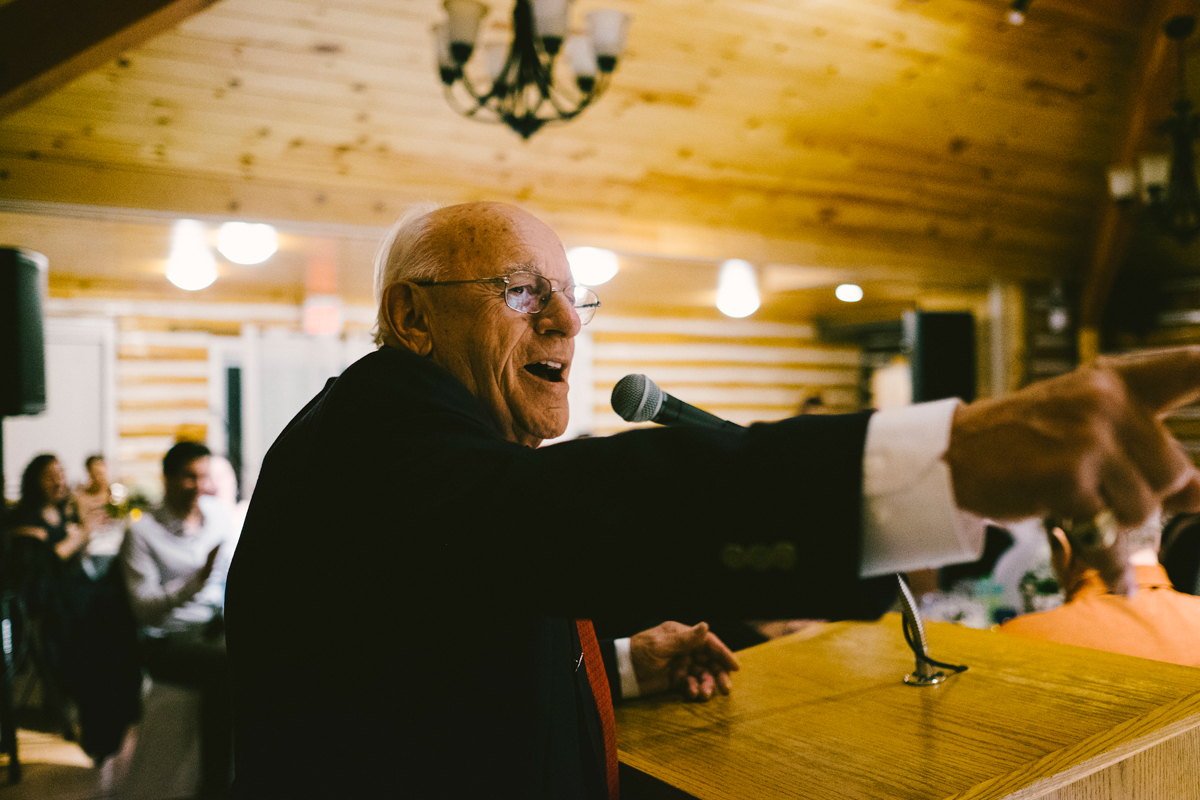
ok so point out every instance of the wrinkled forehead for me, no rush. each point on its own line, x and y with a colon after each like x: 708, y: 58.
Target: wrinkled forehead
x: 485, y: 240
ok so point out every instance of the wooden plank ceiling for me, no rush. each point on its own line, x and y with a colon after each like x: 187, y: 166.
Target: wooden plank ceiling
x: 906, y: 142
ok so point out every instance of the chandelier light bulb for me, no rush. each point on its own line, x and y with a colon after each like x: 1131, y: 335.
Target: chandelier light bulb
x: 441, y: 50
x: 592, y: 266
x: 608, y: 29
x: 582, y: 55
x: 551, y: 21
x: 247, y: 242
x: 737, y: 289
x: 464, y: 18
x: 848, y: 293
x: 190, y: 265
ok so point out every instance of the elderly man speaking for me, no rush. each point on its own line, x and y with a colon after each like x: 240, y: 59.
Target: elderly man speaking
x: 407, y: 610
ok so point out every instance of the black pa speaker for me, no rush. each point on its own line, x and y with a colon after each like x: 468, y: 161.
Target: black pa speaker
x: 942, y: 354
x: 22, y: 347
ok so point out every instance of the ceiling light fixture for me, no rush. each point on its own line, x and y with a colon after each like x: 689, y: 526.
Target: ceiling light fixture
x: 848, y: 293
x: 1168, y: 185
x: 523, y: 92
x: 592, y: 266
x: 247, y: 242
x: 737, y: 289
x: 1017, y: 12
x: 190, y: 265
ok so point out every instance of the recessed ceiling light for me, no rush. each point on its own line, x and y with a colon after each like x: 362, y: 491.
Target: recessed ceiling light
x: 848, y: 293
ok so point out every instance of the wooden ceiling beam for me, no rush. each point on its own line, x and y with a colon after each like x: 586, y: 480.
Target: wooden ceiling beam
x: 47, y: 43
x: 1154, y: 69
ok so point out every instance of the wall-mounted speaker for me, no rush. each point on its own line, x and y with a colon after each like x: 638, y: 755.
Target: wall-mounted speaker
x: 23, y: 276
x: 941, y: 348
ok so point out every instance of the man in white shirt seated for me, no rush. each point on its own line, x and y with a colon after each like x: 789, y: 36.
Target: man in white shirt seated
x: 174, y: 559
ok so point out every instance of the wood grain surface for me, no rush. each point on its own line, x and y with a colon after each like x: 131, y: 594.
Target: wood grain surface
x: 826, y: 715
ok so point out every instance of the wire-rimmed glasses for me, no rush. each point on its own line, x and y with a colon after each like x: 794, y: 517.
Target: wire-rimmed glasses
x: 530, y: 293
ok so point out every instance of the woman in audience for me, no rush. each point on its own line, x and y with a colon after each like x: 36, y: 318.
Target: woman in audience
x: 45, y: 510
x: 93, y: 497
x: 85, y: 634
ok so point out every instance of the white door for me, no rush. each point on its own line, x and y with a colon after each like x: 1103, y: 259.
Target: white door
x: 79, y: 419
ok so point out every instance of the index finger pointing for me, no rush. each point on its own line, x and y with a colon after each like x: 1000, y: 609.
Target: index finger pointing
x: 1159, y: 379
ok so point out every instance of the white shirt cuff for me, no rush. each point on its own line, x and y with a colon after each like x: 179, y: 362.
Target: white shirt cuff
x: 629, y: 684
x: 910, y: 518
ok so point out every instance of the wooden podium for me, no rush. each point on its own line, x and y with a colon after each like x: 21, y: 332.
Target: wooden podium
x: 825, y: 714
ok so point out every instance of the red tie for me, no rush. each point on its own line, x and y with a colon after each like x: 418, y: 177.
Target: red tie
x: 599, y: 681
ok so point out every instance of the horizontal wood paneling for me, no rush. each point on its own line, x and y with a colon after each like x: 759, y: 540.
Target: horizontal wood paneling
x: 741, y: 370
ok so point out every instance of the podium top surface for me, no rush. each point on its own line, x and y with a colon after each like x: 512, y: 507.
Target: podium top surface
x: 826, y: 714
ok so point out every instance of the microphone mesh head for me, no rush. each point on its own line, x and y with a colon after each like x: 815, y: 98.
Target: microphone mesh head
x: 636, y: 398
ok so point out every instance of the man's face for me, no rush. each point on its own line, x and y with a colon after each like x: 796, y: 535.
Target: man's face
x: 515, y: 364
x: 98, y: 472
x: 183, y: 489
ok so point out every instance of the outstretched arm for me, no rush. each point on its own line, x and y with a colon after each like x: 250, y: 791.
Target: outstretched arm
x: 1073, y: 446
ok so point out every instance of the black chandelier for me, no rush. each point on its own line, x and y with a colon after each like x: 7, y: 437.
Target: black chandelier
x: 1177, y: 208
x: 523, y: 93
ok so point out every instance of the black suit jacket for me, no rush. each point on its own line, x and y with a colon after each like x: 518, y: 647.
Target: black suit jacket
x: 399, y: 609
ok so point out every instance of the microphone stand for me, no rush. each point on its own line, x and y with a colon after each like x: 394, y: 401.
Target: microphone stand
x: 928, y: 672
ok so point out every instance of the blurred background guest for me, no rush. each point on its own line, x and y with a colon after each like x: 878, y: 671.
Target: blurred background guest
x: 1180, y: 553
x: 45, y: 510
x: 175, y: 575
x: 1157, y: 622
x: 93, y: 497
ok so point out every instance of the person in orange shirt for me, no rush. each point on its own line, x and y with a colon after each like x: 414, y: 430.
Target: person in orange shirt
x: 1155, y: 622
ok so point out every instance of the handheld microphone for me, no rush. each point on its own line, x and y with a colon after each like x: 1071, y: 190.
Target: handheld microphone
x: 636, y: 398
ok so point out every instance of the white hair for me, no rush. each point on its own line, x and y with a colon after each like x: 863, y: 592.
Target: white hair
x: 403, y: 255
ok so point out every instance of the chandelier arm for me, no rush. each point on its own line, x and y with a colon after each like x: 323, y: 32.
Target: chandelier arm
x: 479, y: 97
x: 470, y: 112
x: 586, y: 100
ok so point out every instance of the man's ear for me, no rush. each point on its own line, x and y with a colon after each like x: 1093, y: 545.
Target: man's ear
x: 1061, y: 554
x: 407, y: 317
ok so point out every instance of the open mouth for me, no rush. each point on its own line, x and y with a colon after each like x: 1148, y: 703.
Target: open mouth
x: 546, y: 370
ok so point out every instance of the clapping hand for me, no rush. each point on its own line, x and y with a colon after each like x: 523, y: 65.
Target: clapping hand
x: 207, y: 570
x: 675, y: 657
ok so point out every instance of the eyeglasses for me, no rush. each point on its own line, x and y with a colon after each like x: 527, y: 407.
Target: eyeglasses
x: 530, y: 293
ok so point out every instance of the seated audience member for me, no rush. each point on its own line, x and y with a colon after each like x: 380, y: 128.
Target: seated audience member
x: 1180, y: 553
x: 175, y: 573
x: 45, y: 510
x: 82, y: 623
x: 1157, y: 622
x: 92, y: 497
